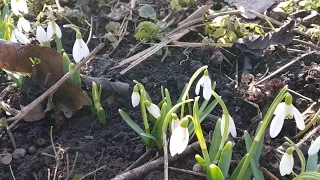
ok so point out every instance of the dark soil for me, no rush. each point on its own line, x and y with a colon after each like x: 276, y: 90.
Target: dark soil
x: 116, y: 145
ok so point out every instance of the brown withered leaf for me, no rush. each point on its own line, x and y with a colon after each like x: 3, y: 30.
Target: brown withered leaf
x: 16, y: 57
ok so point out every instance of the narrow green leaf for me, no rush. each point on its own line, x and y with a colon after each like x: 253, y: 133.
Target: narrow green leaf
x: 203, y: 115
x: 312, y: 162
x: 133, y: 125
x: 66, y: 63
x: 247, y: 174
x: 101, y: 115
x: 215, y: 141
x: 260, y: 144
x: 254, y: 161
x: 225, y: 159
x: 161, y: 119
x: 147, y: 135
x: 215, y: 172
x: 168, y: 99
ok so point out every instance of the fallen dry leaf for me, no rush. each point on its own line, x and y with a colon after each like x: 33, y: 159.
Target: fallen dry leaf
x: 16, y: 57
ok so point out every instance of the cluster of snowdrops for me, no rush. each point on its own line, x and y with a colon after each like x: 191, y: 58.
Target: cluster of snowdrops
x: 216, y: 159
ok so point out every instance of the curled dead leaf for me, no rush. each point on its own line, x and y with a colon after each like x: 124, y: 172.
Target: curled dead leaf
x: 16, y: 57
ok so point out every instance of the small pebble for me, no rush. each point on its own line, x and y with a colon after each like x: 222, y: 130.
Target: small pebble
x: 18, y: 153
x: 197, y: 168
x: 32, y: 149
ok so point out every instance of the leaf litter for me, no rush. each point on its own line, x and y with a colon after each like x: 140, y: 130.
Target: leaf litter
x: 69, y: 98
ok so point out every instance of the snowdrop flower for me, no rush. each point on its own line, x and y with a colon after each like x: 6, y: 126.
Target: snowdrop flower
x: 80, y: 49
x: 204, y: 81
x: 232, y: 126
x: 179, y: 138
x: 17, y: 35
x: 285, y: 110
x: 135, y: 97
x: 153, y: 109
x: 175, y: 122
x: 41, y: 34
x: 286, y: 163
x: 23, y: 24
x: 315, y: 147
x: 52, y: 29
x: 19, y: 6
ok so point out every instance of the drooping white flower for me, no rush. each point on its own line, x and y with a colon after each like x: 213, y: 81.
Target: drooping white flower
x: 285, y: 110
x: 22, y: 38
x: 232, y: 126
x: 286, y: 163
x: 179, y: 138
x: 41, y: 34
x: 135, y: 97
x: 153, y: 109
x: 52, y: 29
x: 204, y: 81
x: 80, y: 49
x: 315, y: 147
x: 18, y: 6
x: 175, y: 122
x: 23, y: 24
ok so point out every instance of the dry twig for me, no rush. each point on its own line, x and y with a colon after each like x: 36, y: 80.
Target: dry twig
x: 138, y: 172
x: 187, y: 171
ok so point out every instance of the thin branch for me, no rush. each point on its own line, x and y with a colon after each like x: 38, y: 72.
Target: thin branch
x: 187, y: 171
x: 89, y: 174
x: 138, y: 172
x: 284, y: 67
x: 53, y: 88
x: 165, y: 151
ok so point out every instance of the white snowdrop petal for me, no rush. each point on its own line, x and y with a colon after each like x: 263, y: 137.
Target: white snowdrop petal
x: 85, y: 49
x: 279, y: 108
x: 15, y: 7
x: 154, y: 110
x: 315, y: 147
x: 58, y: 30
x: 13, y: 38
x: 23, y: 7
x: 135, y: 99
x: 41, y: 35
x: 276, y: 124
x: 50, y: 30
x: 174, y: 142
x: 223, y: 121
x: 199, y: 83
x: 232, y: 127
x: 184, y: 139
x: 174, y: 124
x: 26, y: 25
x: 22, y: 38
x: 286, y: 164
x: 19, y: 24
x: 298, y: 117
x: 76, y: 51
x: 207, y: 91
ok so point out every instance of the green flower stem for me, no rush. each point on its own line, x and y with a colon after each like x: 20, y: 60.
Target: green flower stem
x: 199, y: 134
x: 300, y: 154
x: 144, y: 110
x: 226, y: 126
x: 172, y: 110
x: 186, y: 92
x: 262, y: 130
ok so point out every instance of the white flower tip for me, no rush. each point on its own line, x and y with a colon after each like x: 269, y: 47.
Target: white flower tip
x: 135, y: 99
x: 154, y: 110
